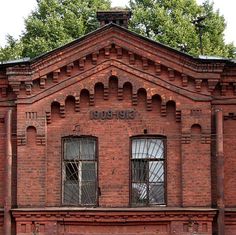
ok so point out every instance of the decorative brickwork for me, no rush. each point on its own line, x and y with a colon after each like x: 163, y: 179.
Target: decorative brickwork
x: 113, y: 85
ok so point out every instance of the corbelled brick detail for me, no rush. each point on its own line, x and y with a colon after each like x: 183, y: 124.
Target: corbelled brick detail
x: 170, y: 94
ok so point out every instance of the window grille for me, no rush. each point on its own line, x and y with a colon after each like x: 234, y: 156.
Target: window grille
x: 79, y: 171
x: 148, y: 171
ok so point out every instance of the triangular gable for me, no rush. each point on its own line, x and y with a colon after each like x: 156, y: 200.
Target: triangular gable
x: 113, y: 43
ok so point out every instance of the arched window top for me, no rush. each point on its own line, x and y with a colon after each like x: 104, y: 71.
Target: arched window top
x: 84, y: 92
x: 55, y: 104
x: 31, y: 135
x: 128, y: 84
x: 148, y: 148
x: 142, y: 91
x: 148, y: 171
x: 196, y: 129
x: 69, y: 98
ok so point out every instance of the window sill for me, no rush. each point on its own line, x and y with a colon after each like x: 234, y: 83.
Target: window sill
x: 114, y: 209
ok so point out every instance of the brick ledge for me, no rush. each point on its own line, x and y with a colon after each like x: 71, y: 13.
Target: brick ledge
x: 116, y: 209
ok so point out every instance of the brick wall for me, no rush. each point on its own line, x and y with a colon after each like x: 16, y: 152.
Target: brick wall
x: 169, y: 93
x: 39, y: 166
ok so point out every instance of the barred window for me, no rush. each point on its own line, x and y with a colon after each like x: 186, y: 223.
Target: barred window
x: 79, y: 171
x: 148, y: 171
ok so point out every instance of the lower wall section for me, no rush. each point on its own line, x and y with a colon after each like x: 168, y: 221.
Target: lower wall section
x: 124, y: 229
x: 230, y: 221
x: 1, y: 221
x: 142, y: 221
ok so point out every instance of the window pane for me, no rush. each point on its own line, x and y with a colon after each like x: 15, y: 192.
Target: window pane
x: 139, y: 170
x: 71, y: 148
x: 139, y: 148
x: 88, y: 193
x: 88, y: 171
x: 71, y: 192
x: 79, y: 171
x: 155, y: 148
x: 87, y: 149
x: 71, y: 171
x: 156, y: 193
x: 139, y: 193
x: 156, y: 171
x: 148, y: 171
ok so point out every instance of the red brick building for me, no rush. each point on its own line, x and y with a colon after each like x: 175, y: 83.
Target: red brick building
x: 116, y: 134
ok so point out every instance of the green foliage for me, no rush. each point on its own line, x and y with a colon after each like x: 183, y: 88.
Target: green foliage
x: 12, y: 50
x: 54, y: 23
x: 171, y: 22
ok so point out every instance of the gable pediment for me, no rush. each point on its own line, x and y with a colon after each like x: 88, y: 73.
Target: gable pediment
x: 119, y: 48
x: 101, y: 73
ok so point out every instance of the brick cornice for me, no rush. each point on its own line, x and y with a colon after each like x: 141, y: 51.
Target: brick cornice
x: 134, y: 43
x: 102, y: 72
x: 115, y: 214
x: 154, y: 57
x: 125, y: 40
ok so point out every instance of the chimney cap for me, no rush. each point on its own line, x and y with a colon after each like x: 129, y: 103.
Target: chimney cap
x: 118, y: 16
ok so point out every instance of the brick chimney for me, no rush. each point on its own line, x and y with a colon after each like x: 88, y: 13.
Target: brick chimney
x: 116, y: 16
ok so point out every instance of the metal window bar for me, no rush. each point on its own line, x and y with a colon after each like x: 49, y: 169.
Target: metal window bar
x: 79, y: 171
x: 147, y: 171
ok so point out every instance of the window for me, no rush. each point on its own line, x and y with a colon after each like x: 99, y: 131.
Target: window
x: 148, y: 171
x: 79, y: 171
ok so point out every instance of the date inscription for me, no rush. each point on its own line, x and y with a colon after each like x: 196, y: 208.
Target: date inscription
x: 112, y: 114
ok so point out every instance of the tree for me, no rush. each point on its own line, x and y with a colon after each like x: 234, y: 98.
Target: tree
x: 12, y: 50
x: 171, y: 22
x: 54, y: 23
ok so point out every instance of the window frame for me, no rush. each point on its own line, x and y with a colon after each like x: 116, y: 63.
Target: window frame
x: 148, y: 204
x: 63, y: 175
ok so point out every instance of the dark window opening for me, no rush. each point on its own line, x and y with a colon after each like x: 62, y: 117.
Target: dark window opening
x: 79, y: 171
x: 121, y: 22
x: 148, y: 171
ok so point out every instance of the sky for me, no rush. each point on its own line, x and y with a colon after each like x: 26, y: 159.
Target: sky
x: 13, y: 12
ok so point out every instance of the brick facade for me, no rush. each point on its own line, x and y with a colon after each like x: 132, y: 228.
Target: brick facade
x: 149, y: 90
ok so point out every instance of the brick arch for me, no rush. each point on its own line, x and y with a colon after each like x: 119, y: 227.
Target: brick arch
x: 98, y: 84
x: 31, y: 135
x: 127, y: 83
x: 196, y: 131
x: 84, y: 98
x: 58, y: 99
x: 135, y: 85
x: 156, y: 103
x: 86, y: 94
x: 113, y: 85
x: 157, y: 96
x: 70, y: 104
x: 196, y: 128
x: 171, y: 102
x: 55, y: 110
x: 55, y: 103
x: 142, y: 97
x: 142, y: 89
x: 69, y: 96
x: 127, y: 89
x: 98, y: 92
x: 74, y: 94
x: 171, y: 109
